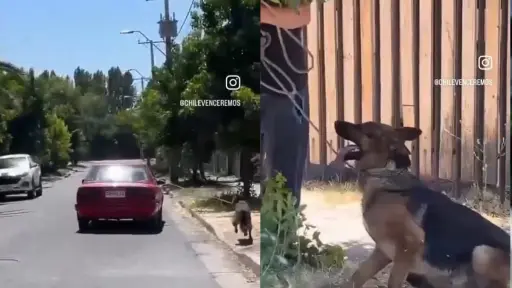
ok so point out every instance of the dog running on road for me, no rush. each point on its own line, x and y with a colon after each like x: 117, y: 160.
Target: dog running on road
x: 431, y: 240
x: 242, y: 217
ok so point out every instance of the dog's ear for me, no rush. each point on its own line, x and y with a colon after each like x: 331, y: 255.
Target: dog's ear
x: 408, y: 133
x: 351, y: 132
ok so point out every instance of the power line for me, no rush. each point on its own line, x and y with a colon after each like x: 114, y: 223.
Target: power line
x: 186, y: 17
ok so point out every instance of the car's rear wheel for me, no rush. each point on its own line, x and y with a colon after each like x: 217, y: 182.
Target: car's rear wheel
x: 83, y: 224
x: 31, y: 194
x: 156, y: 222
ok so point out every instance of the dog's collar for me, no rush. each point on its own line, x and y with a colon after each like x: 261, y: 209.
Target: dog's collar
x: 387, y: 179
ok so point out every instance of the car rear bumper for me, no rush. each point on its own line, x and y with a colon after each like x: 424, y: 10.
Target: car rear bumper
x: 117, y: 212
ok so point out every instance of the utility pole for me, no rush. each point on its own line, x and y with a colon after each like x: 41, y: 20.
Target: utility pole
x: 168, y: 29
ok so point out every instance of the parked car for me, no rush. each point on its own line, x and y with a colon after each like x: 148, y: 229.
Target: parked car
x: 119, y: 192
x: 20, y: 174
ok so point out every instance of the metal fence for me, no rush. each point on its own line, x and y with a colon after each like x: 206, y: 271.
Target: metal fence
x: 380, y: 60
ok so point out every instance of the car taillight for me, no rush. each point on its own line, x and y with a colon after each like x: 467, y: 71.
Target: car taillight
x: 86, y: 194
x: 143, y: 193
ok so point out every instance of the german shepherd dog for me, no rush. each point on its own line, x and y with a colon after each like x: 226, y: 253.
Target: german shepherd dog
x: 431, y: 240
x: 242, y: 217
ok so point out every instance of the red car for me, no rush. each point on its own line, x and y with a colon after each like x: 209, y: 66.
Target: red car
x: 119, y: 191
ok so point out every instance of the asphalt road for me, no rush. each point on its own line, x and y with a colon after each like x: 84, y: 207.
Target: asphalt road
x: 40, y: 248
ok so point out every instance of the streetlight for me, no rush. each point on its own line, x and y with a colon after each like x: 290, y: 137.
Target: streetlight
x: 141, y: 78
x: 151, y: 44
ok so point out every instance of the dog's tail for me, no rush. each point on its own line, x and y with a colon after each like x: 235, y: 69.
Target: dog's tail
x: 492, y: 263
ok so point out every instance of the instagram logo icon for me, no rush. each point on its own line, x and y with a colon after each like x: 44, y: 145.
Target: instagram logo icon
x: 485, y: 62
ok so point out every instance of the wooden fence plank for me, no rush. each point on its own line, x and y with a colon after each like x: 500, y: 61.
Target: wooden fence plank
x: 468, y: 92
x: 447, y: 92
x: 330, y: 76
x: 348, y: 59
x: 312, y: 45
x: 504, y: 98
x: 367, y: 66
x: 425, y: 86
x: 340, y: 97
x: 407, y: 64
x: 492, y: 34
x: 509, y: 94
x: 386, y: 63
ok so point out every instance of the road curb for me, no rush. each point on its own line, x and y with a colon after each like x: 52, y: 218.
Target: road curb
x: 242, y: 258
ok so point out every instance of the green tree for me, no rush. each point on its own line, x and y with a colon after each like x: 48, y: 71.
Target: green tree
x: 57, y: 142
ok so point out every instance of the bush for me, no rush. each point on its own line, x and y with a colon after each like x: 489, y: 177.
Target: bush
x: 57, y: 143
x: 283, y: 251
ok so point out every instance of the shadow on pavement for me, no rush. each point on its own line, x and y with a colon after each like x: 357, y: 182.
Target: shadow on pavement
x: 52, y: 178
x: 245, y: 242
x: 122, y: 227
x: 78, y: 166
x: 13, y: 198
x: 12, y: 213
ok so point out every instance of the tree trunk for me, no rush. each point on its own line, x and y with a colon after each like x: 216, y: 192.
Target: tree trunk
x: 201, y: 171
x: 231, y: 156
x: 247, y: 171
x: 174, y: 158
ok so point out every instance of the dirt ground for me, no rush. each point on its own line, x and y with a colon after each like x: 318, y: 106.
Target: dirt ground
x: 336, y: 212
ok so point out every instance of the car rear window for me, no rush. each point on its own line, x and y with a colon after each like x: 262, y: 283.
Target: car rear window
x: 13, y: 162
x: 117, y: 173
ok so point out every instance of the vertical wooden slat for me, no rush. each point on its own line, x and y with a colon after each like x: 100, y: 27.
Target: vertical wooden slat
x: 447, y: 92
x: 376, y: 61
x: 415, y: 157
x: 492, y: 32
x: 312, y: 45
x: 330, y: 77
x: 436, y: 92
x: 468, y: 100
x: 358, y: 107
x: 395, y: 56
x: 425, y: 85
x: 348, y: 59
x: 340, y: 83
x: 367, y: 67
x: 503, y: 116
x: 456, y: 117
x: 407, y: 64
x: 322, y: 107
x: 386, y: 62
x: 508, y: 92
x: 478, y: 126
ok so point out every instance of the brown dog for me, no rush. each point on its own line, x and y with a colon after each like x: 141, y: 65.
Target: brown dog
x: 431, y: 240
x: 242, y: 217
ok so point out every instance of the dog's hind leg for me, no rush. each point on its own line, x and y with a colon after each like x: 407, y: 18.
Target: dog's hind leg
x: 492, y: 264
x: 368, y: 268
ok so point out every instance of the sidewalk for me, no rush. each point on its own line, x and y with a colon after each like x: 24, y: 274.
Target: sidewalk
x: 219, y: 224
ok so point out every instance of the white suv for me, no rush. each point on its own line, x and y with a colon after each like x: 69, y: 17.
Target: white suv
x: 20, y: 174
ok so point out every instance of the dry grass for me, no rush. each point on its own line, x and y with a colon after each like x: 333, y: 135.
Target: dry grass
x: 330, y: 194
x: 486, y: 202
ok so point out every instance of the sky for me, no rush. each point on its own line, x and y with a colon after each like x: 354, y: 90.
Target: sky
x: 61, y: 35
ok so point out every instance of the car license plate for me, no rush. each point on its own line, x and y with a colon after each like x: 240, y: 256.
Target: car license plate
x: 115, y: 194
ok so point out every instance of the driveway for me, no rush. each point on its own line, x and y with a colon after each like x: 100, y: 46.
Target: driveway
x: 40, y: 248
